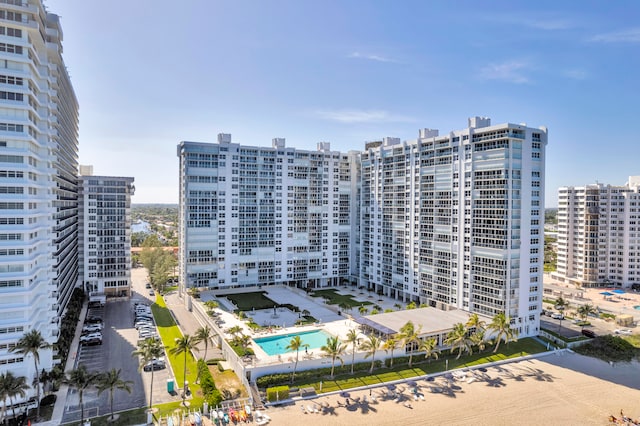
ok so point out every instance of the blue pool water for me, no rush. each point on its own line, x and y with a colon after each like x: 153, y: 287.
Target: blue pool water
x: 276, y: 345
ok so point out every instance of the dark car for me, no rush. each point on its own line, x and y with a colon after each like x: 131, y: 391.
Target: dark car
x: 93, y: 319
x: 156, y: 364
x: 588, y: 333
x: 92, y: 341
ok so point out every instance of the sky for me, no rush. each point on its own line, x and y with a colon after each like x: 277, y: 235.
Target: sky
x: 149, y: 74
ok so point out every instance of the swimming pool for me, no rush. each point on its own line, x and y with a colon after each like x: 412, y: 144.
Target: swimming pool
x: 276, y: 345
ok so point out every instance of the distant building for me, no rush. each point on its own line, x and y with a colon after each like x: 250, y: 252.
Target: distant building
x: 38, y: 182
x: 105, y: 235
x: 599, y: 234
x: 452, y: 221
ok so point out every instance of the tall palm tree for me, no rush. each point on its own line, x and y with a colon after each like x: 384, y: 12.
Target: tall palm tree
x: 501, y: 325
x: 475, y: 322
x: 430, y: 348
x: 184, y: 345
x: 235, y: 330
x: 335, y: 349
x: 584, y: 311
x: 478, y: 339
x: 295, y: 344
x: 410, y: 337
x: 81, y: 379
x: 111, y: 381
x: 371, y: 346
x: 363, y: 310
x: 390, y: 345
x: 149, y: 350
x: 204, y: 335
x: 353, y: 340
x: 31, y: 343
x: 10, y: 387
x: 457, y: 339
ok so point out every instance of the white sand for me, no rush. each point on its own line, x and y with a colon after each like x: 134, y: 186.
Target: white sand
x: 566, y: 389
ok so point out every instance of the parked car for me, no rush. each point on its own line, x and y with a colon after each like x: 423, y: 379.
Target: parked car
x: 623, y: 331
x: 90, y: 336
x: 92, y: 341
x: 142, y: 324
x: 91, y: 327
x: 145, y: 334
x: 156, y: 364
x: 143, y: 318
x: 147, y: 285
x: 93, y: 319
x: 147, y: 328
x: 588, y: 333
x: 557, y: 316
x: 152, y: 293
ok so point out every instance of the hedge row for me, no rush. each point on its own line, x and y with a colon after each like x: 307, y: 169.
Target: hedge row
x: 208, y: 386
x: 316, y: 375
x: 277, y: 393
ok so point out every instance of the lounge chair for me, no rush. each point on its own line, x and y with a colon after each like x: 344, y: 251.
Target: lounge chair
x: 304, y: 410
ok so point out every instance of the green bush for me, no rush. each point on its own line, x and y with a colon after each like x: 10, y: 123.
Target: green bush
x: 214, y: 361
x: 277, y: 393
x: 208, y: 386
x: 609, y: 348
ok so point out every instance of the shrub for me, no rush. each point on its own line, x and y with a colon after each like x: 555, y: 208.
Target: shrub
x: 277, y: 393
x: 307, y: 376
x: 214, y: 361
x: 208, y: 386
x: 609, y: 348
x: 48, y: 400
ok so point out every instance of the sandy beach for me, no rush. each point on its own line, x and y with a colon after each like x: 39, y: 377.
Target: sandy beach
x: 559, y: 389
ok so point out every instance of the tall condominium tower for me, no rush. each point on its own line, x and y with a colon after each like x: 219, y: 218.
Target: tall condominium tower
x: 105, y: 235
x: 265, y: 215
x: 457, y: 220
x: 599, y: 234
x: 38, y: 180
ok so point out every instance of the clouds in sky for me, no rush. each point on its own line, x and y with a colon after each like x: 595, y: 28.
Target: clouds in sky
x: 371, y: 57
x: 631, y: 35
x: 509, y: 71
x: 350, y: 116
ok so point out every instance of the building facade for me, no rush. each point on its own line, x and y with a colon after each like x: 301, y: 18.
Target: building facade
x: 456, y: 221
x: 453, y: 221
x: 265, y: 215
x: 599, y: 235
x: 38, y: 180
x: 105, y: 235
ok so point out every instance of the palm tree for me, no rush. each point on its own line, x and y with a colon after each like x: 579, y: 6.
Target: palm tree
x: 149, y: 350
x: 501, y: 324
x: 363, y: 310
x: 560, y: 304
x: 475, y: 322
x: 390, y: 345
x: 371, y: 346
x: 457, y: 339
x: 335, y: 349
x: 235, y: 330
x: 184, y: 345
x: 204, y: 334
x: 111, y: 381
x: 31, y: 343
x: 354, y: 340
x: 478, y: 339
x: 81, y: 379
x: 211, y: 305
x: 295, y: 344
x: 429, y: 346
x: 10, y: 387
x: 584, y: 311
x: 410, y: 336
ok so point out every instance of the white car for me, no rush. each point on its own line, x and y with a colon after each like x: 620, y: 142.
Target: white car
x: 91, y: 328
x: 91, y: 336
x: 557, y: 316
x: 624, y: 331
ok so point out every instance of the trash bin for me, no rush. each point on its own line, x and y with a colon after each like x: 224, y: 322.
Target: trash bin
x: 170, y: 386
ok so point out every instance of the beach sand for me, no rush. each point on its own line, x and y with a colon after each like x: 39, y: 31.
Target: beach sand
x: 559, y: 389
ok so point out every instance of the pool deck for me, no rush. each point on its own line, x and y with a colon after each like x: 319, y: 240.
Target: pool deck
x: 328, y: 316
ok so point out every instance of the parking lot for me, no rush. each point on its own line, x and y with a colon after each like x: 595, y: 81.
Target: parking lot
x: 119, y: 340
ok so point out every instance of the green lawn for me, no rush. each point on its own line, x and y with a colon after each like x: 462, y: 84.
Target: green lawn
x: 421, y: 367
x: 169, y: 331
x: 333, y: 298
x: 249, y: 301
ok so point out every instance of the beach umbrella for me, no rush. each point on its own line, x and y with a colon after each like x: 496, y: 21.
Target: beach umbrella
x: 412, y: 383
x: 618, y: 291
x: 345, y: 394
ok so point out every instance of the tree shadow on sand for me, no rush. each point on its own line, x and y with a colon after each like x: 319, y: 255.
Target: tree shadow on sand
x: 537, y: 374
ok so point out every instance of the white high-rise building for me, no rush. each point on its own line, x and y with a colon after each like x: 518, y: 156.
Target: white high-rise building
x: 38, y: 180
x: 456, y: 221
x: 105, y: 235
x: 453, y: 221
x: 265, y: 215
x: 599, y: 234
